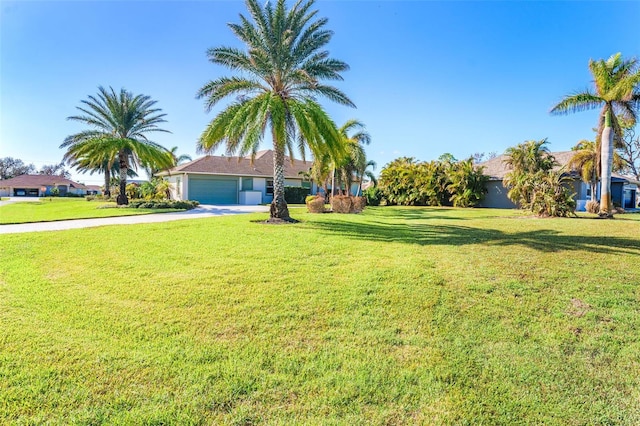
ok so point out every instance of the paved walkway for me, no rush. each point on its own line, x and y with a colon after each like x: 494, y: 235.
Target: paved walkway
x: 199, y: 212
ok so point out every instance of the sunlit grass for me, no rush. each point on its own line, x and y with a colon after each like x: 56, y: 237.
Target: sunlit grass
x: 394, y: 316
x: 52, y: 208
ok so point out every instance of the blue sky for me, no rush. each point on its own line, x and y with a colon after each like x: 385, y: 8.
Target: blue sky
x: 427, y: 77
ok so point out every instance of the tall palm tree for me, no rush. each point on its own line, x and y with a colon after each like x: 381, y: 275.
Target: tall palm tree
x: 119, y: 123
x: 281, y: 70
x: 617, y: 94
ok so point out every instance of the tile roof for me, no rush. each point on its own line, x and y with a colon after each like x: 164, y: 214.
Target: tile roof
x: 241, y: 166
x: 496, y: 169
x: 34, y: 181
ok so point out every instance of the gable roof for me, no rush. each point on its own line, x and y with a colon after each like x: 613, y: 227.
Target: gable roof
x: 33, y: 181
x: 241, y: 166
x: 496, y: 168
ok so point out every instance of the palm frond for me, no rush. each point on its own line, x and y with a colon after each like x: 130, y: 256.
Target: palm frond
x: 577, y: 102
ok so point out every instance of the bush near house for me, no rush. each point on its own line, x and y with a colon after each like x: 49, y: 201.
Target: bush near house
x: 373, y: 195
x: 295, y: 194
x: 534, y: 183
x: 347, y: 204
x: 407, y: 182
x: 163, y: 204
x: 315, y: 204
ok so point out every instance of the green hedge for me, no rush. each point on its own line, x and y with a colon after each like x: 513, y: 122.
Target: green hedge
x: 295, y: 194
x: 163, y: 204
x: 373, y: 196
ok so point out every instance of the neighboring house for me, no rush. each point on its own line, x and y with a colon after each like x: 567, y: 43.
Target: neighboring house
x: 623, y: 188
x: 40, y: 186
x: 233, y: 180
x: 94, y: 189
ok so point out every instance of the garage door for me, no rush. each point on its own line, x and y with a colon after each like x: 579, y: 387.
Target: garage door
x: 210, y: 190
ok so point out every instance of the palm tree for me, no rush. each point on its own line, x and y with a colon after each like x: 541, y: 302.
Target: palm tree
x: 100, y: 163
x: 119, y: 123
x: 174, y: 160
x: 355, y: 159
x: 362, y: 172
x: 281, y: 73
x: 526, y: 161
x: 179, y: 159
x: 585, y: 162
x: 617, y: 94
x: 321, y: 171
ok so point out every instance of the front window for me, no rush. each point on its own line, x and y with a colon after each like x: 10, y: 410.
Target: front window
x: 270, y: 186
x: 247, y: 184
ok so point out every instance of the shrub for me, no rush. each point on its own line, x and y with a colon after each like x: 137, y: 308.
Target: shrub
x: 359, y: 203
x: 550, y: 195
x: 133, y: 190
x: 315, y: 204
x: 310, y: 198
x: 163, y: 204
x: 407, y: 182
x: 593, y: 206
x: 341, y: 204
x: 90, y: 197
x: 347, y: 204
x: 373, y: 195
x: 295, y: 194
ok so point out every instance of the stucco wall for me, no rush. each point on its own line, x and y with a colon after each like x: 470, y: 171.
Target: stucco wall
x: 176, y: 189
x: 496, y: 196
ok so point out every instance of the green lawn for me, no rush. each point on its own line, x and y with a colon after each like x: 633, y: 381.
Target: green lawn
x: 394, y: 316
x: 51, y: 209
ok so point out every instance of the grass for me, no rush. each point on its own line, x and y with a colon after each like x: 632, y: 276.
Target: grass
x: 393, y: 316
x: 52, y: 209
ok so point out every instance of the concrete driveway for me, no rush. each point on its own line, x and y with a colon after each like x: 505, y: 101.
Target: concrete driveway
x: 199, y: 212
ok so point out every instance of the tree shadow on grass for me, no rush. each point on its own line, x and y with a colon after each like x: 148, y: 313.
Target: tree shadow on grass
x: 545, y: 240
x: 423, y: 213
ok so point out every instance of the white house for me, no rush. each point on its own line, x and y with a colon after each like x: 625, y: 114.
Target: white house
x: 233, y: 180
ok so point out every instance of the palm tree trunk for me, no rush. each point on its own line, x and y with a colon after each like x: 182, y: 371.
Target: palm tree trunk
x: 606, y: 209
x: 279, y: 209
x: 122, y: 197
x: 333, y: 181
x: 107, y: 182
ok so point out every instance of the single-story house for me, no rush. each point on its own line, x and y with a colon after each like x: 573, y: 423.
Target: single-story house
x: 42, y: 185
x: 233, y: 180
x: 623, y: 188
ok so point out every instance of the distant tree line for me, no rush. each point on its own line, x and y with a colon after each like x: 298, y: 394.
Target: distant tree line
x: 11, y: 167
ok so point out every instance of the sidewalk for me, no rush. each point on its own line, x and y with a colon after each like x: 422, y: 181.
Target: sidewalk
x: 199, y: 212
